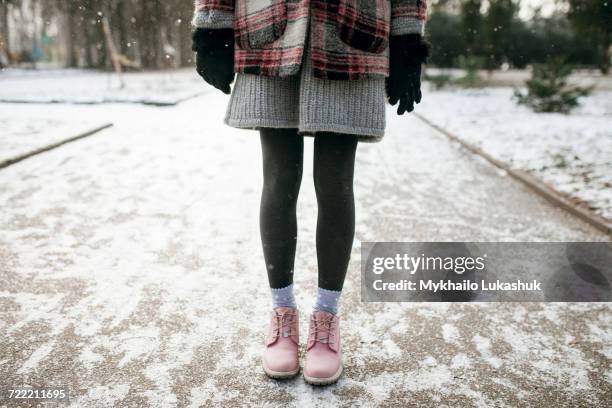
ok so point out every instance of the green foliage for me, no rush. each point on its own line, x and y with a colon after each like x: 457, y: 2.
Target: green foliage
x: 551, y: 37
x: 446, y: 45
x: 593, y: 18
x: 500, y: 19
x: 470, y: 65
x: 439, y: 81
x: 472, y: 24
x: 548, y: 90
x: 524, y: 42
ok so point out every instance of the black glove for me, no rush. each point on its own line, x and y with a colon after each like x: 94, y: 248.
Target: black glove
x: 215, y: 56
x: 406, y: 55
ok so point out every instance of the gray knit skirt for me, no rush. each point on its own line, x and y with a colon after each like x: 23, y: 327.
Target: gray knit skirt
x: 309, y: 104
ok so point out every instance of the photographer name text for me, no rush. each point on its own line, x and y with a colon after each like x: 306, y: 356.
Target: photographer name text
x: 448, y: 285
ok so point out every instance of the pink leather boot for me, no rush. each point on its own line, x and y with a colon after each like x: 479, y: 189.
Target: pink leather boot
x: 280, y: 356
x: 324, y: 351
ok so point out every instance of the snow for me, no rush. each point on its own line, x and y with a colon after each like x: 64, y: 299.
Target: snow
x: 572, y: 153
x: 25, y: 130
x: 132, y: 271
x: 517, y: 77
x: 91, y: 87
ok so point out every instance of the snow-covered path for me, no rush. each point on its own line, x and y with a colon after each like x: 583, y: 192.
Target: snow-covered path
x: 571, y: 153
x: 130, y: 269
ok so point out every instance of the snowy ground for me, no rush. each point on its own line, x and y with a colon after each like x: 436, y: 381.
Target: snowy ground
x: 79, y: 86
x: 25, y: 130
x: 517, y: 77
x: 131, y: 270
x: 572, y: 153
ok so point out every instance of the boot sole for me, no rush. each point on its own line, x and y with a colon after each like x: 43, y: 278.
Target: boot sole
x: 280, y: 375
x: 324, y: 381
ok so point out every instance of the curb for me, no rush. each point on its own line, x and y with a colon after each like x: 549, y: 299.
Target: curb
x: 17, y: 159
x: 551, y: 194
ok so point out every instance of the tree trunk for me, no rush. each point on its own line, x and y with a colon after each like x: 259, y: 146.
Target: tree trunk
x: 605, y: 63
x: 87, y: 44
x: 150, y: 29
x: 4, y: 31
x: 119, y: 17
x: 184, y: 35
x: 73, y: 61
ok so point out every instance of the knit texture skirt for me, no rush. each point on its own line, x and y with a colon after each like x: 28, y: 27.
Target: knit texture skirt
x: 309, y: 104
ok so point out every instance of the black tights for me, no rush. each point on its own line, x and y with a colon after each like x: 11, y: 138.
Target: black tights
x: 334, y: 162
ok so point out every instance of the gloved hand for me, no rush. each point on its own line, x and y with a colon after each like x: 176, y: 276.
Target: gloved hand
x: 406, y: 55
x: 215, y: 56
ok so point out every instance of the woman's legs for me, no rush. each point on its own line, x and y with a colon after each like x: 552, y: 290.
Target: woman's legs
x: 334, y: 163
x: 283, y: 156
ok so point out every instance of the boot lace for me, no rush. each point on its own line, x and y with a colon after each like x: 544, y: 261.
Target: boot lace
x: 322, y: 330
x: 283, y: 324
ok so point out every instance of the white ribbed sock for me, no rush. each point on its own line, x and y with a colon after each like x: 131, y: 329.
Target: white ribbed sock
x: 327, y: 300
x: 283, y: 297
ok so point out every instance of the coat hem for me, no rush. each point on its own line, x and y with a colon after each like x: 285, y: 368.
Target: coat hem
x: 257, y: 123
x: 363, y: 134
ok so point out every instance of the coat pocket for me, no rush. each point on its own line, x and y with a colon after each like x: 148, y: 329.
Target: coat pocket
x: 364, y: 24
x: 259, y: 22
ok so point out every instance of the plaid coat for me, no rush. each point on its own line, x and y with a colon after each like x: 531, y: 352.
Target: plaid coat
x: 348, y: 38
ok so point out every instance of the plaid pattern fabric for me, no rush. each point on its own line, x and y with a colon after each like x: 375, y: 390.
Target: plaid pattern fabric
x: 282, y: 54
x: 222, y: 5
x: 259, y: 22
x: 348, y: 58
x: 364, y: 25
x: 348, y: 38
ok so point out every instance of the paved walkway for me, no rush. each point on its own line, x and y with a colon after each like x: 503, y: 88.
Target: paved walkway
x: 130, y: 269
